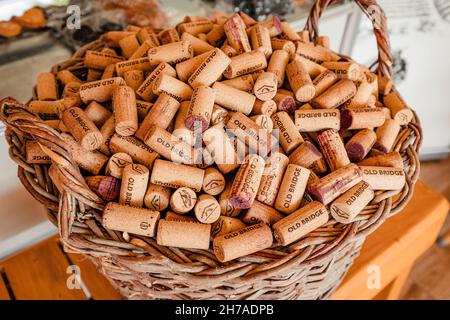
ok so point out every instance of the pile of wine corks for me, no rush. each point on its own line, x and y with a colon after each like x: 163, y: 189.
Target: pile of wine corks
x: 225, y: 133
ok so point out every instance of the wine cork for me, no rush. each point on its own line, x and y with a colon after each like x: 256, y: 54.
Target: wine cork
x: 91, y: 161
x: 277, y: 65
x: 35, y: 154
x: 148, y: 34
x: 362, y: 96
x: 174, y: 175
x: 179, y: 125
x: 117, y: 163
x: 198, y: 46
x: 143, y: 107
x: 384, y: 85
x: 134, y: 185
x: 260, y: 212
x: 345, y: 208
x: 100, y: 60
x: 71, y: 90
x: 173, y: 87
x: 138, y: 151
x: 99, y: 91
x: 112, y: 38
x: 344, y: 70
x: 185, y: 69
x: 125, y: 111
x: 233, y: 99
x: 263, y: 121
x: 246, y: 183
x: 333, y: 149
x: 386, y: 135
x: 392, y: 159
x: 314, y: 120
x: 292, y: 188
x: 216, y: 36
x: 317, y: 54
x: 273, y: 24
x: 145, y: 91
x: 242, y: 242
x: 207, y: 209
x: 360, y: 144
x: 157, y: 197
x: 129, y: 45
x: 236, y: 34
x: 289, y: 33
x: 107, y: 130
x: 265, y: 86
x: 106, y: 187
x: 336, y: 95
x: 383, y: 178
x: 134, y: 78
x: 169, y: 35
x: 200, y: 108
x: 138, y: 64
x: 300, y: 81
x: 323, y: 41
x: 284, y: 45
x: 228, y: 50
x: 336, y: 183
x: 46, y: 110
x: 221, y: 148
x: 97, y: 113
x: 399, y: 110
x: 172, y: 216
x: 54, y: 124
x: 183, y: 200
x: 304, y: 36
x: 82, y: 128
x: 251, y: 134
x: 213, y: 182
x: 183, y: 234
x: 141, y: 52
x: 219, y: 115
x: 65, y: 76
x: 210, y: 69
x: 244, y: 83
x: 271, y: 179
x: 362, y: 118
x: 94, y: 75
x: 267, y: 108
x: 47, y: 86
x: 307, y: 155
x: 170, y: 147
x: 288, y: 134
x: 285, y: 102
x: 226, y: 207
x: 109, y: 72
x: 129, y: 219
x: 245, y: 63
x: 299, y: 223
x: 171, y: 53
x: 161, y: 115
x: 323, y: 81
x: 260, y: 39
x: 225, y: 225
x: 195, y: 27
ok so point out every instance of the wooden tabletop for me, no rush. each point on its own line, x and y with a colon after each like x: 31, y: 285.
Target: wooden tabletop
x: 45, y: 271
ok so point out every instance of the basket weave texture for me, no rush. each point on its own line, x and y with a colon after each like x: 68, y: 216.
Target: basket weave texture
x: 310, y: 268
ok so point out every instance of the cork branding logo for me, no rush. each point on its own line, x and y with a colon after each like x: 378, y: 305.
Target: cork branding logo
x: 186, y: 198
x: 208, y: 211
x: 211, y: 185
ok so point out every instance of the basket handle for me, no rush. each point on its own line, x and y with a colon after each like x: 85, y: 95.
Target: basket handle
x: 374, y: 12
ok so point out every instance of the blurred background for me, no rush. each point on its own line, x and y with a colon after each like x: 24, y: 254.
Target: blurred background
x: 420, y: 38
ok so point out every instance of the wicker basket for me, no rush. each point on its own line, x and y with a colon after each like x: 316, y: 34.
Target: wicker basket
x: 310, y: 268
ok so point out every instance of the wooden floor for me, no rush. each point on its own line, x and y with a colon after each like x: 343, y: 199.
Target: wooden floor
x: 430, y: 276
